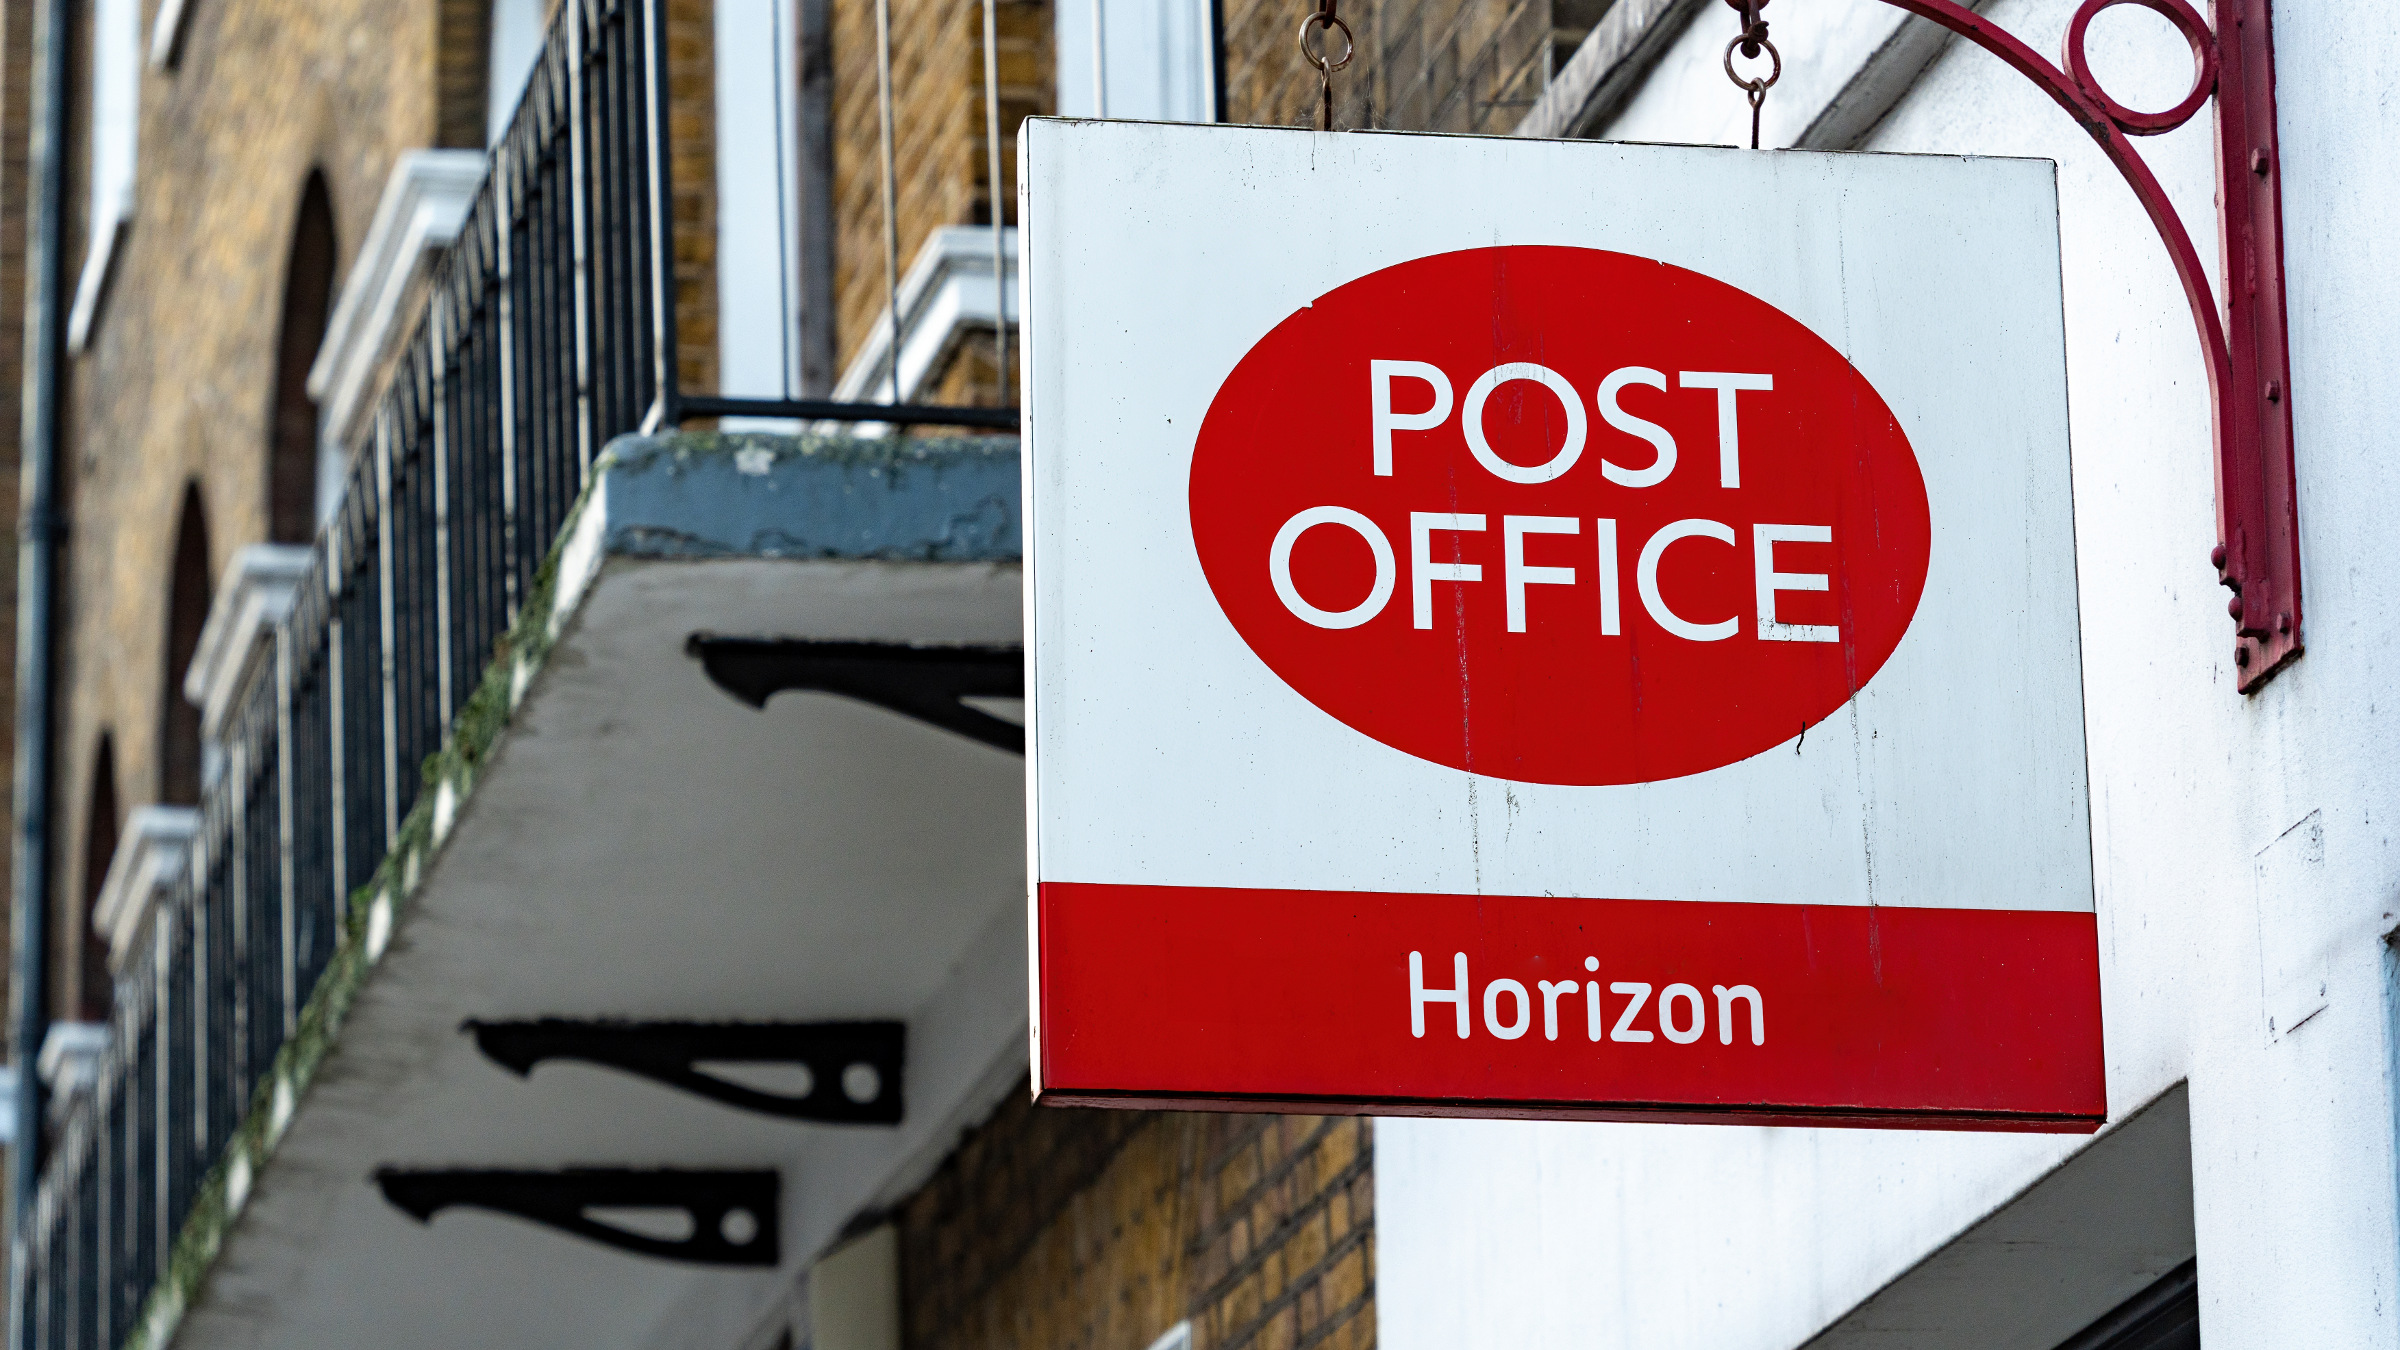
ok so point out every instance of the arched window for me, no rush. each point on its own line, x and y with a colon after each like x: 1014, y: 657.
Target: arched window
x: 292, y: 435
x: 94, y: 988
x: 187, y: 611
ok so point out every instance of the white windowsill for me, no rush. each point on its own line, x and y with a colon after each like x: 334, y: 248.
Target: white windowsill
x: 424, y: 205
x: 152, y: 855
x: 253, y: 597
x: 947, y: 294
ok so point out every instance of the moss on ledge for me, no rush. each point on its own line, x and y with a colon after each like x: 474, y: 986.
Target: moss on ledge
x: 684, y: 496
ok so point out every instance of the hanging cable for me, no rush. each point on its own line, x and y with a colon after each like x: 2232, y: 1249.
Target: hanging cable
x: 991, y: 147
x: 891, y: 212
x: 784, y: 246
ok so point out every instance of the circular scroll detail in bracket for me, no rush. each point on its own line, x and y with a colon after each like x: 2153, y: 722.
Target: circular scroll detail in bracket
x: 2195, y: 31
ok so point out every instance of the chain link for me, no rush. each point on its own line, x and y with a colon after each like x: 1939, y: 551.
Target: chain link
x: 1752, y: 43
x: 1323, y: 19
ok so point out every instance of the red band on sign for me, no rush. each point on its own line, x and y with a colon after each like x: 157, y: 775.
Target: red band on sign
x: 1572, y: 1008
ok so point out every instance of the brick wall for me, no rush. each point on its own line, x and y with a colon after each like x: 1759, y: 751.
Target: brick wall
x: 1439, y: 65
x: 1266, y: 81
x: 1421, y: 65
x: 462, y: 46
x: 692, y: 128
x: 941, y: 165
x: 176, y: 383
x: 177, y: 380
x: 1071, y: 1229
x: 1287, y: 1234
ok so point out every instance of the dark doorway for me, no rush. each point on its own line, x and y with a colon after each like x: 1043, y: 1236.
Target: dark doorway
x: 187, y: 611
x: 95, y: 989
x: 292, y: 432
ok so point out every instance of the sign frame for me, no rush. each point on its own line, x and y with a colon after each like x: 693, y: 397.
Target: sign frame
x: 1123, y: 816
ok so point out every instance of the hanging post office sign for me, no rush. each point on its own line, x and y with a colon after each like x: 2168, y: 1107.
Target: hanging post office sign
x: 1552, y: 629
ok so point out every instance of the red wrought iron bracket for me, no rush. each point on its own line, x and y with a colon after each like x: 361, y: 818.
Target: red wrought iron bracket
x: 2257, y: 555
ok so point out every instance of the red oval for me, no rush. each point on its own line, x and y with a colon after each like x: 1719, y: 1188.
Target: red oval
x: 1293, y: 430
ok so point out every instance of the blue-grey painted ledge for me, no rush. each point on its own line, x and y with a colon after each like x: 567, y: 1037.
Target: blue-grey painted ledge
x: 716, y: 495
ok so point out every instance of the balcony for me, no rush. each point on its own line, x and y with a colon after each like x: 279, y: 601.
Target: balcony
x: 609, y: 878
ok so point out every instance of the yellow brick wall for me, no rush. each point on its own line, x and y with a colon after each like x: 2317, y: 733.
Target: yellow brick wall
x: 1266, y: 81
x: 1286, y: 1239
x: 1070, y: 1229
x: 462, y: 47
x: 1421, y: 65
x: 692, y: 126
x: 176, y: 382
x: 940, y: 161
x: 1443, y: 65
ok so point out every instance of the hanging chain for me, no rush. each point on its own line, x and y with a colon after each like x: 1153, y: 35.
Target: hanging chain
x: 1753, y: 42
x: 1323, y: 18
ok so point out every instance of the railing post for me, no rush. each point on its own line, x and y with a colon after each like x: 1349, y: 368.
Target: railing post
x: 237, y: 894
x: 502, y: 177
x: 383, y: 561
x: 77, y: 1309
x: 115, y: 1065
x: 45, y: 1223
x: 666, y: 406
x: 578, y: 198
x: 337, y: 724
x: 104, y: 1225
x: 162, y: 1133
x: 44, y: 1296
x: 197, y: 887
x: 283, y: 827
x: 440, y: 327
x: 28, y: 1298
x: 35, y: 1241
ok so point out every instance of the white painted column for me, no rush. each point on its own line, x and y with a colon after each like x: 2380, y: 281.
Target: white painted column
x: 1159, y: 56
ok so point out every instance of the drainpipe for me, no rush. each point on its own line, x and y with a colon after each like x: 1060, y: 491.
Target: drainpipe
x: 37, y: 527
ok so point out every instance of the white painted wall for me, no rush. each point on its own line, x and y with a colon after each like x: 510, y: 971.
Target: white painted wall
x: 1155, y: 59
x: 1504, y: 1234
x: 758, y: 201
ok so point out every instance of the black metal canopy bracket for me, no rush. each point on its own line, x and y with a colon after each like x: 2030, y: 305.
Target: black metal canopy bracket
x: 732, y: 1216
x: 927, y: 683
x: 848, y: 1073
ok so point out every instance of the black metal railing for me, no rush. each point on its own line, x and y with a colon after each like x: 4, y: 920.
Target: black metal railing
x: 549, y: 330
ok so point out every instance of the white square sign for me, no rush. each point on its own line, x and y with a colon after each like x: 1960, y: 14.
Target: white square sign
x: 1561, y: 628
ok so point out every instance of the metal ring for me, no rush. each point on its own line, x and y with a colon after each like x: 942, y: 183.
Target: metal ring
x: 2188, y: 22
x: 1320, y: 19
x: 1777, y: 73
